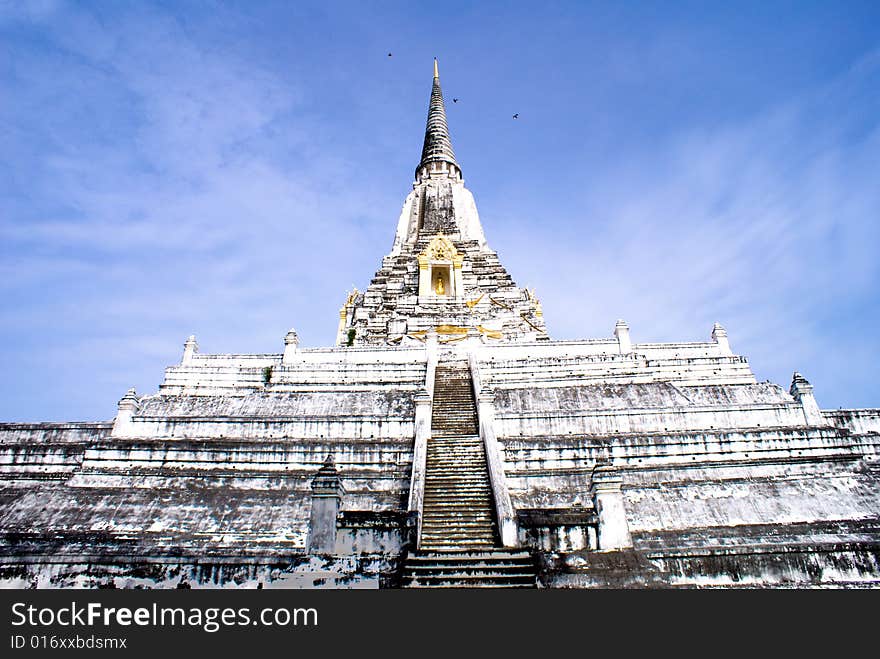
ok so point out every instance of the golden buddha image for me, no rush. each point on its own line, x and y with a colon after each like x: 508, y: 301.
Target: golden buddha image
x: 439, y: 288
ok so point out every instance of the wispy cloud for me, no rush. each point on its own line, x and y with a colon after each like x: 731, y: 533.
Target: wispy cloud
x: 160, y: 179
x: 769, y: 225
x: 182, y: 213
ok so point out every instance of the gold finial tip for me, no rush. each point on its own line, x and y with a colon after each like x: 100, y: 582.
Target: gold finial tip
x: 436, y: 72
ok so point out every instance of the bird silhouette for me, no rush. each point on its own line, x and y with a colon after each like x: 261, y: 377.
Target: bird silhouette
x: 516, y: 116
x: 455, y: 100
x: 389, y: 54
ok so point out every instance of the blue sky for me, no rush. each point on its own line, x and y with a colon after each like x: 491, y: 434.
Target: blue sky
x: 231, y: 169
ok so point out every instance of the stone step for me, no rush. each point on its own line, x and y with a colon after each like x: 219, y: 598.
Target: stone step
x: 505, y: 572
x: 469, y: 468
x: 482, y: 515
x: 463, y: 442
x: 466, y: 579
x: 450, y: 509
x: 472, y: 460
x: 450, y: 452
x: 440, y: 452
x: 486, y: 540
x: 464, y: 486
x: 483, y: 521
x: 439, y: 547
x: 444, y: 536
x: 488, y: 573
x: 452, y: 495
x: 440, y: 518
x: 465, y: 525
x: 471, y: 442
x: 466, y: 470
x: 451, y: 484
x: 455, y: 485
x: 456, y: 478
x: 458, y: 542
x: 447, y: 534
x: 469, y: 556
x: 457, y: 502
x: 462, y: 526
x: 453, y: 502
x: 469, y: 586
x: 451, y: 570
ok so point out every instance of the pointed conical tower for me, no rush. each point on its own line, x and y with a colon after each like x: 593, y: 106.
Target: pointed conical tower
x: 440, y: 274
x: 438, y: 147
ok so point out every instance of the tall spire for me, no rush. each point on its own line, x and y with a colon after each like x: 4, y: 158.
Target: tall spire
x: 438, y: 147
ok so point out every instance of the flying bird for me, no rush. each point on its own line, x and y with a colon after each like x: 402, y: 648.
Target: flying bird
x: 455, y: 100
x: 516, y: 116
x: 389, y: 54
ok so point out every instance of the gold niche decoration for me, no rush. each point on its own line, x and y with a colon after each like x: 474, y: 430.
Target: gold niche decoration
x: 440, y: 249
x: 451, y: 329
x: 452, y: 333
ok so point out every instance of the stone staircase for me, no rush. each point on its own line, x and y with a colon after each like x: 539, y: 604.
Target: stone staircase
x: 459, y: 542
x: 457, y: 512
x: 458, y: 508
x: 494, y: 568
